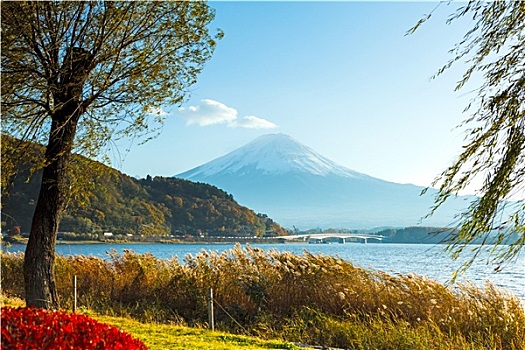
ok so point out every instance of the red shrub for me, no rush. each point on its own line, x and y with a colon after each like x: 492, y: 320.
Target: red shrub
x: 31, y: 328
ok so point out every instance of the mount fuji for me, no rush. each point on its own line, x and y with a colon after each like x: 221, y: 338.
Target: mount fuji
x: 296, y: 186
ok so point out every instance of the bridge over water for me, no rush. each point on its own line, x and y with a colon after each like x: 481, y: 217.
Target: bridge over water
x: 331, y: 236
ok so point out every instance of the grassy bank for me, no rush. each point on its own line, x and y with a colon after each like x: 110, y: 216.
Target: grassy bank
x: 168, y: 337
x: 313, y: 299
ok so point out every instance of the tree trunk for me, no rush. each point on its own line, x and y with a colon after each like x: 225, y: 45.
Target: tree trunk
x: 39, y: 260
x: 39, y: 271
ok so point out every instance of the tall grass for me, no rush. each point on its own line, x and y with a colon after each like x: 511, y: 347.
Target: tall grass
x: 309, y: 298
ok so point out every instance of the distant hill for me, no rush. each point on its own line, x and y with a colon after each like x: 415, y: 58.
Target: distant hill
x: 115, y: 202
x: 298, y: 187
x: 426, y: 235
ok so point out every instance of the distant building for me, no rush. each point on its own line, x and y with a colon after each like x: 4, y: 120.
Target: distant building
x: 270, y: 233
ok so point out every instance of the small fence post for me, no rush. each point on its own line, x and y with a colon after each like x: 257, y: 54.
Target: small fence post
x: 211, y: 319
x: 75, y: 293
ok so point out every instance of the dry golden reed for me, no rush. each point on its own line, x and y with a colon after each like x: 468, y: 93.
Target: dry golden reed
x: 309, y: 298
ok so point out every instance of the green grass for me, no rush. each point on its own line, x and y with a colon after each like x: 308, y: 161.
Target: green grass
x: 161, y: 336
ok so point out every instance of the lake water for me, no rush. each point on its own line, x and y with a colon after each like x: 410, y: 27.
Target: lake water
x: 422, y: 259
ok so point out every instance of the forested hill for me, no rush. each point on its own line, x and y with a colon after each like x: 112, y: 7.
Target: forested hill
x: 108, y: 201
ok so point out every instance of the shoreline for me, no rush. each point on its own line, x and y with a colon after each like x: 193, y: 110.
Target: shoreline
x: 64, y: 242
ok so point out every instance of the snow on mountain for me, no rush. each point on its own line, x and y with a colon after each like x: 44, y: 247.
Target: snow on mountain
x: 294, y: 185
x: 271, y: 154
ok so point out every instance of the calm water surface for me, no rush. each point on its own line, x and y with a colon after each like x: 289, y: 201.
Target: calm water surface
x: 422, y: 259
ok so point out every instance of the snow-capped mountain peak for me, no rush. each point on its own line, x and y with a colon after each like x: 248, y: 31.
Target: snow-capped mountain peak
x: 277, y: 175
x: 272, y: 154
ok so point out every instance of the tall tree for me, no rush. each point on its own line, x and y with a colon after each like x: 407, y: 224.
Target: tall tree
x: 494, y: 50
x: 76, y: 75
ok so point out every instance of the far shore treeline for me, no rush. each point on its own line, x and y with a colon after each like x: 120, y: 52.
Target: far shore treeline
x: 110, y: 201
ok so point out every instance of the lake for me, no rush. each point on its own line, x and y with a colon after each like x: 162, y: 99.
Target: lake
x: 422, y: 259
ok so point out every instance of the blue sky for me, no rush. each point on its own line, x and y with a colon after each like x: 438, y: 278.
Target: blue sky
x: 340, y: 77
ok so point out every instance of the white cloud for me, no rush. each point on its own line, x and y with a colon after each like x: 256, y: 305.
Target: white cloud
x: 210, y: 112
x: 252, y: 122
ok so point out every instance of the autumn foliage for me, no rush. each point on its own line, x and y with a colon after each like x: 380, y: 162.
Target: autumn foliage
x: 32, y: 328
